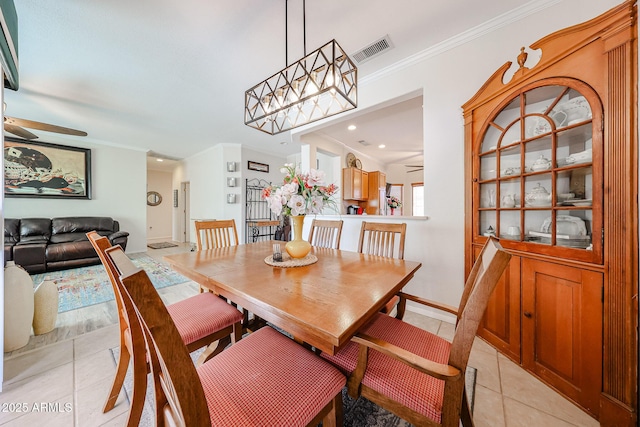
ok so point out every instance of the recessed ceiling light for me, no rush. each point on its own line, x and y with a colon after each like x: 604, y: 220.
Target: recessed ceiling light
x: 159, y: 160
x: 381, y: 146
x: 352, y: 127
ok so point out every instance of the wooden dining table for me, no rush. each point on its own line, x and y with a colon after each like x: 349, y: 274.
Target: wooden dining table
x: 322, y: 304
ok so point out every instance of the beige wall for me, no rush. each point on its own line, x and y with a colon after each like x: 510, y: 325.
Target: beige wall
x: 159, y: 218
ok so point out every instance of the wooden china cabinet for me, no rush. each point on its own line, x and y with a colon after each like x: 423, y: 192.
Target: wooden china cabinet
x: 552, y: 171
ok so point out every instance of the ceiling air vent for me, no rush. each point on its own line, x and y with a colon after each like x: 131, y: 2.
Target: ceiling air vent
x: 374, y: 49
x: 363, y: 142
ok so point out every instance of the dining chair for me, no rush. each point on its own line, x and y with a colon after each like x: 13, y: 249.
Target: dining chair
x: 202, y: 320
x: 325, y: 234
x: 387, y: 240
x: 212, y: 234
x: 413, y: 373
x: 264, y: 380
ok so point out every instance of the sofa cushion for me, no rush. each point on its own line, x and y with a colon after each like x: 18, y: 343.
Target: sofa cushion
x: 35, y: 230
x: 11, y: 230
x: 31, y: 256
x: 74, y: 229
x: 69, y: 250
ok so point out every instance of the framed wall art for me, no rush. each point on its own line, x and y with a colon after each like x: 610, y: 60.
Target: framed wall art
x: 260, y: 167
x: 41, y: 169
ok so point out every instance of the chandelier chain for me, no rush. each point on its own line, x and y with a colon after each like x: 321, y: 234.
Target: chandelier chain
x: 286, y: 30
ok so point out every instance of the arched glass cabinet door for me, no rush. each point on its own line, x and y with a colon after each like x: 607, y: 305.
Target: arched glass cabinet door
x: 538, y: 171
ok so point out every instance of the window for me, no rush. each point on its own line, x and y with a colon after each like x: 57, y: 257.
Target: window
x: 417, y: 199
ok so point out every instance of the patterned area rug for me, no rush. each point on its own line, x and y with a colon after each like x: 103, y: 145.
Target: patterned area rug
x: 357, y: 412
x: 85, y: 286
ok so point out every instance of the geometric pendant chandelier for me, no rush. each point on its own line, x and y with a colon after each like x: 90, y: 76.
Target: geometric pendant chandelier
x: 319, y: 85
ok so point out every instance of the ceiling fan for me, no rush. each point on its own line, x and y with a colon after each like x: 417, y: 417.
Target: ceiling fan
x: 16, y: 127
x: 416, y: 168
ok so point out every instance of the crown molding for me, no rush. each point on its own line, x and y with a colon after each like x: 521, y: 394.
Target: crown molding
x: 465, y: 37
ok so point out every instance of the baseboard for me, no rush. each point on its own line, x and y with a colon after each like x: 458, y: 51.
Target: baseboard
x: 433, y: 313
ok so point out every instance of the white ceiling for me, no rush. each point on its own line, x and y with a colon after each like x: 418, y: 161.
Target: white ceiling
x: 398, y: 127
x: 169, y: 76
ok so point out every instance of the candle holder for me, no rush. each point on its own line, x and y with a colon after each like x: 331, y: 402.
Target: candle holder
x: 277, y: 252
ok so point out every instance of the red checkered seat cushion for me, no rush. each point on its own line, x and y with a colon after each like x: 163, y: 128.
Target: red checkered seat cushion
x: 266, y: 379
x: 394, y: 379
x: 202, y: 315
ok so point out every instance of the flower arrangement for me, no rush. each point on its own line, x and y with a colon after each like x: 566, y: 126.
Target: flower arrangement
x: 301, y: 193
x: 393, y: 202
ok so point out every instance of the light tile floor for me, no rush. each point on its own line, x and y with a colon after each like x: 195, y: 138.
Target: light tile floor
x: 64, y: 383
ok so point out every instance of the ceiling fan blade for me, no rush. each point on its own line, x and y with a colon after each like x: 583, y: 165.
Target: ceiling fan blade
x: 43, y: 126
x: 18, y: 131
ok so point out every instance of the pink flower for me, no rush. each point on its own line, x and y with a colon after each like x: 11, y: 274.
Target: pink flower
x: 300, y: 193
x: 297, y: 204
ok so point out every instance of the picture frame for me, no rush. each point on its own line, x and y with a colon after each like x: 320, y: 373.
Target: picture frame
x: 260, y: 167
x: 46, y: 170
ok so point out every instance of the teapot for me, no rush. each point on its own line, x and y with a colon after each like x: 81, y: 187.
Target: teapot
x: 542, y: 164
x: 538, y: 196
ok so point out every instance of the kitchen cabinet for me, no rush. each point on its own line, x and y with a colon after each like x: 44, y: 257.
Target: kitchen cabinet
x: 376, y: 199
x: 551, y: 170
x: 355, y: 184
x: 365, y: 185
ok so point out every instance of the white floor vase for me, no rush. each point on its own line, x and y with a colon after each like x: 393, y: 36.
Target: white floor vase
x: 18, y: 307
x: 45, y: 307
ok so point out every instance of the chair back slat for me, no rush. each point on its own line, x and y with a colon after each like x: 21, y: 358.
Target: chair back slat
x: 382, y: 239
x: 214, y: 234
x: 325, y: 234
x: 173, y: 370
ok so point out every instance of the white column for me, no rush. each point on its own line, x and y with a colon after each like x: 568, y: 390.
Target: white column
x: 308, y: 158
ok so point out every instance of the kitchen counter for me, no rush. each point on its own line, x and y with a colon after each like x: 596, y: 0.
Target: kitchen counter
x: 374, y: 217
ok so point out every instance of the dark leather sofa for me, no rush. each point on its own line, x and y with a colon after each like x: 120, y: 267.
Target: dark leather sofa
x: 42, y: 244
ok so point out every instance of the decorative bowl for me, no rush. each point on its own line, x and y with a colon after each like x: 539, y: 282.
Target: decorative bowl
x: 581, y: 157
x: 566, y: 225
x: 542, y: 164
x: 510, y: 171
x: 564, y: 197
